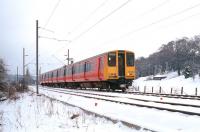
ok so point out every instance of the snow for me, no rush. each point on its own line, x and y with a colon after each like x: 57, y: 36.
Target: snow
x: 38, y: 113
x: 128, y: 100
x: 172, y: 81
x: 152, y: 119
x: 135, y: 96
x: 52, y: 111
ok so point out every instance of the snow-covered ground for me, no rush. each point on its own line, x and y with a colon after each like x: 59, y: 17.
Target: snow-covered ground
x: 31, y: 113
x: 152, y: 119
x: 122, y: 96
x: 40, y: 113
x: 172, y: 80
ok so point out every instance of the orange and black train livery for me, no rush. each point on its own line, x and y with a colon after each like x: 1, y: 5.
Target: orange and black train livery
x: 111, y: 70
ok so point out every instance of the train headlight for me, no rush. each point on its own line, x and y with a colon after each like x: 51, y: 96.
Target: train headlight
x: 130, y: 73
x: 112, y: 75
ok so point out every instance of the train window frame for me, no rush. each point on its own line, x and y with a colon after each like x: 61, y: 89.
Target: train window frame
x: 88, y: 67
x: 130, y: 59
x: 64, y: 71
x: 73, y: 70
x: 58, y: 75
x: 85, y: 67
x: 67, y: 71
x: 110, y: 62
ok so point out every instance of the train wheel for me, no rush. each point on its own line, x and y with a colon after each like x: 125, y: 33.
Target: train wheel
x: 108, y: 88
x: 113, y: 90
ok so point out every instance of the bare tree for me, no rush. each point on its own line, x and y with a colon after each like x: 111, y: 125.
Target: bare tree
x: 175, y: 55
x: 2, y: 75
x: 28, y: 78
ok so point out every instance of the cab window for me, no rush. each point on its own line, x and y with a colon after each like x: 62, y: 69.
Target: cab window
x: 130, y: 59
x: 112, y: 59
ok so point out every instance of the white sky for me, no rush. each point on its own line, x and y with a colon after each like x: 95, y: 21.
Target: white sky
x: 121, y: 30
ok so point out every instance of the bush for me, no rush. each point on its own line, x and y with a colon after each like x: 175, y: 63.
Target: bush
x: 187, y: 72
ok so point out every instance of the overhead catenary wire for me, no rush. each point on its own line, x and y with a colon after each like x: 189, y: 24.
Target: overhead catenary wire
x: 89, y: 16
x: 109, y: 14
x: 58, y: 60
x: 140, y: 28
x: 54, y: 38
x: 104, y: 2
x: 154, y: 23
x: 100, y: 20
x: 86, y: 19
x: 183, y: 19
x: 45, y: 29
x: 154, y: 8
x: 115, y: 10
x: 52, y: 13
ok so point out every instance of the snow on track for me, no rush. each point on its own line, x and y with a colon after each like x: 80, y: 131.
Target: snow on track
x: 148, y: 98
x: 175, y: 108
x: 146, y: 118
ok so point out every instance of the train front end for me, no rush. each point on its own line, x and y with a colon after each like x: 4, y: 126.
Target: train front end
x: 120, y: 69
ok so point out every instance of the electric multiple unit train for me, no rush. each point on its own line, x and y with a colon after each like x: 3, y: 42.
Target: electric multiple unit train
x: 111, y: 70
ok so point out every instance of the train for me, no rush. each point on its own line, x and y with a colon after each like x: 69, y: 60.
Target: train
x: 113, y: 70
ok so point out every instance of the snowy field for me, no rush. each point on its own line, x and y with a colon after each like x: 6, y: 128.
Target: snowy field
x: 31, y: 113
x: 151, y: 119
x: 173, y: 81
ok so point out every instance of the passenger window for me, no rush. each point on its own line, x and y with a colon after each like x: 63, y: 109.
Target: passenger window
x: 64, y: 71
x: 130, y: 59
x: 112, y: 59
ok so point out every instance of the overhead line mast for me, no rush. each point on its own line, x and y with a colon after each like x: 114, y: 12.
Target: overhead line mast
x: 37, y: 57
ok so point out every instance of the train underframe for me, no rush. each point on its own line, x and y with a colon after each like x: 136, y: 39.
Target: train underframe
x: 110, y: 85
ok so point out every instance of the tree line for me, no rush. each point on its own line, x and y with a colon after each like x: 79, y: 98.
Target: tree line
x: 2, y: 75
x: 8, y: 86
x: 176, y: 55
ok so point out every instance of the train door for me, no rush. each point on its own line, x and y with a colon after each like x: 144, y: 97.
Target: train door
x: 121, y: 64
x: 72, y: 73
x: 57, y: 75
x: 100, y: 68
x: 64, y: 74
x: 85, y: 71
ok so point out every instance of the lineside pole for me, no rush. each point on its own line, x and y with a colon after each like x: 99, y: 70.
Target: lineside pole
x: 17, y: 75
x: 23, y: 83
x: 37, y: 57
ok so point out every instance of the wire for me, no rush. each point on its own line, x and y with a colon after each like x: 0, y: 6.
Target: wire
x: 101, y: 5
x: 112, y: 12
x: 46, y: 29
x: 58, y: 60
x: 54, y: 38
x: 155, y: 22
x: 53, y: 11
x: 154, y: 8
x: 89, y: 16
x: 103, y: 18
x: 183, y: 19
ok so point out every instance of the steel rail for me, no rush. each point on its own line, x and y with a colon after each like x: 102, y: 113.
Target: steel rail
x: 127, y: 103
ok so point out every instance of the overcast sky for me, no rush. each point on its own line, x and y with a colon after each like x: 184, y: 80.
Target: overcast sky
x: 91, y: 27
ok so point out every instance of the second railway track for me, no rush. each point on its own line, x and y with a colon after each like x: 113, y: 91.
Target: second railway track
x: 168, y: 106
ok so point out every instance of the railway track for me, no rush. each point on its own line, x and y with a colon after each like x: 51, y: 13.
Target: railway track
x: 193, y: 97
x: 169, y: 106
x: 131, y: 98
